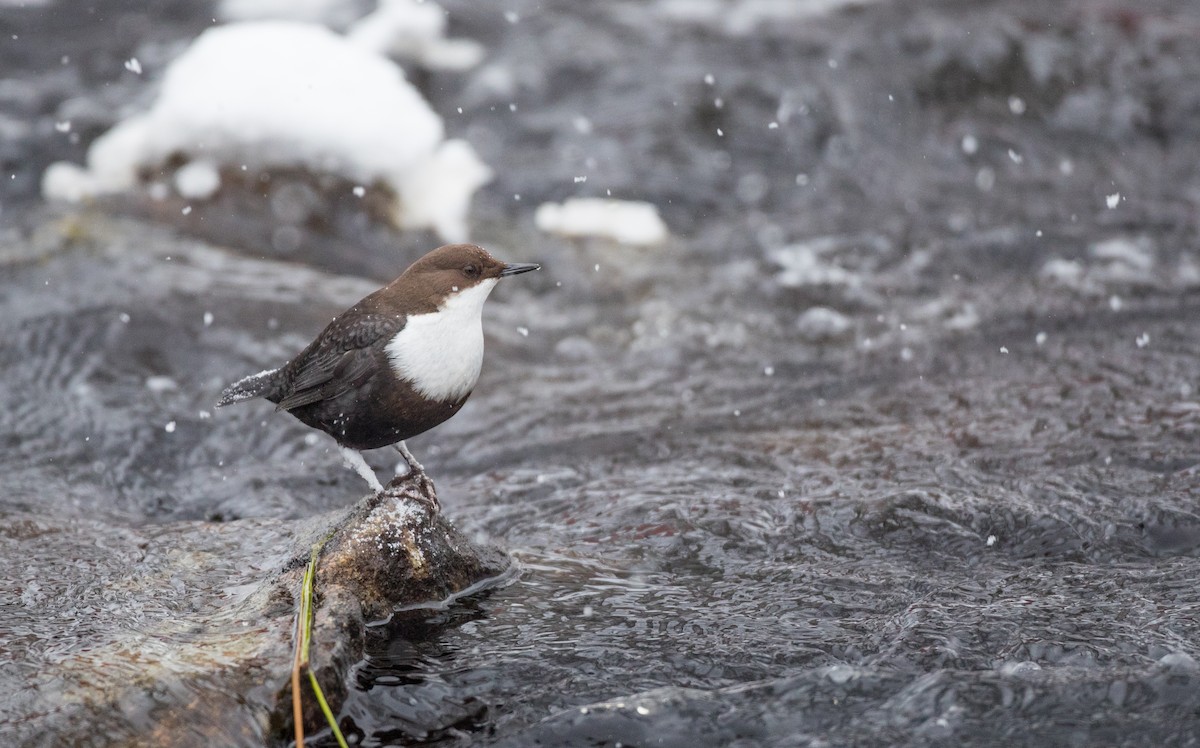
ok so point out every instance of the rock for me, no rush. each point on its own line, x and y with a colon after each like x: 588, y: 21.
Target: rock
x: 185, y: 634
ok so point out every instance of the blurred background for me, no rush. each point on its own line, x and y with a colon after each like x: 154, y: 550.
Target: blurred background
x: 855, y: 402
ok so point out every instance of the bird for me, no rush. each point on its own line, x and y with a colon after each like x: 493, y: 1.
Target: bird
x: 399, y: 362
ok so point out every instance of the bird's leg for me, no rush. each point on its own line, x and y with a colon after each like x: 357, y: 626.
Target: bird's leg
x: 414, y: 467
x: 428, y: 491
x: 354, y: 460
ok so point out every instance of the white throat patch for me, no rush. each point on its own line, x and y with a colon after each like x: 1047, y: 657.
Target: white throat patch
x: 441, y: 353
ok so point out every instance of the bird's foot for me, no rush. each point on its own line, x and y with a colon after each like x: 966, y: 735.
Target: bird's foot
x: 417, y: 487
x: 426, y: 492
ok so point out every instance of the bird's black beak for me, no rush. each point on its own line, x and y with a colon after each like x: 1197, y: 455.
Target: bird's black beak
x: 516, y: 268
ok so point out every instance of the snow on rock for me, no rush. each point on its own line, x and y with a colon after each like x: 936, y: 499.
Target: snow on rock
x: 414, y: 30
x: 627, y: 222
x: 271, y: 94
x: 410, y: 29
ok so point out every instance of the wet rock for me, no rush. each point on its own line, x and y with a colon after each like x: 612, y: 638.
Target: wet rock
x: 182, y: 634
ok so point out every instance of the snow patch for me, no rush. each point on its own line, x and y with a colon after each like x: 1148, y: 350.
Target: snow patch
x: 279, y: 94
x: 198, y: 180
x: 624, y: 221
x: 436, y: 192
x: 417, y: 31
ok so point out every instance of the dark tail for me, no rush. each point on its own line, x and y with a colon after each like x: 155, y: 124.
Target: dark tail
x: 262, y: 384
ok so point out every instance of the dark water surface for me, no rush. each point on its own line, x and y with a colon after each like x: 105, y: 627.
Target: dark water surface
x: 958, y: 508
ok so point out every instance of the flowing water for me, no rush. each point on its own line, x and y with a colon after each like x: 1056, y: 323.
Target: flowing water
x: 956, y: 507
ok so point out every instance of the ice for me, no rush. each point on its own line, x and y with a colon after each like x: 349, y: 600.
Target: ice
x: 1063, y: 272
x: 1135, y: 255
x: 133, y: 66
x: 804, y: 265
x: 1111, y: 263
x: 627, y: 222
x: 821, y: 324
x: 1019, y: 668
x: 270, y: 94
x: 1112, y: 200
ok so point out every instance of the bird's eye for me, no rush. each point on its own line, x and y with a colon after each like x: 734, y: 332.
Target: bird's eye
x: 471, y: 270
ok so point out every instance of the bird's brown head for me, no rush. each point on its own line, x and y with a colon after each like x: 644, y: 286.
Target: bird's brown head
x: 450, y: 270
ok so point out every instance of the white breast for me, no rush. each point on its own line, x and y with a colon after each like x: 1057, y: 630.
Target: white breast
x: 441, y: 353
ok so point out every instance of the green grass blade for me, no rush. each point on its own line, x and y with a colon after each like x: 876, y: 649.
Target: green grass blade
x: 333, y: 725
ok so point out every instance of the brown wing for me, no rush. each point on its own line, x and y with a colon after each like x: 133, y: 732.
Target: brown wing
x: 339, y: 360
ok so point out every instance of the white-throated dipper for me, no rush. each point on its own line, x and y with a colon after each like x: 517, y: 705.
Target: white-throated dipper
x: 394, y: 365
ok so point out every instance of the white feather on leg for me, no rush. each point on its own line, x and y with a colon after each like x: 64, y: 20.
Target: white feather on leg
x: 354, y: 460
